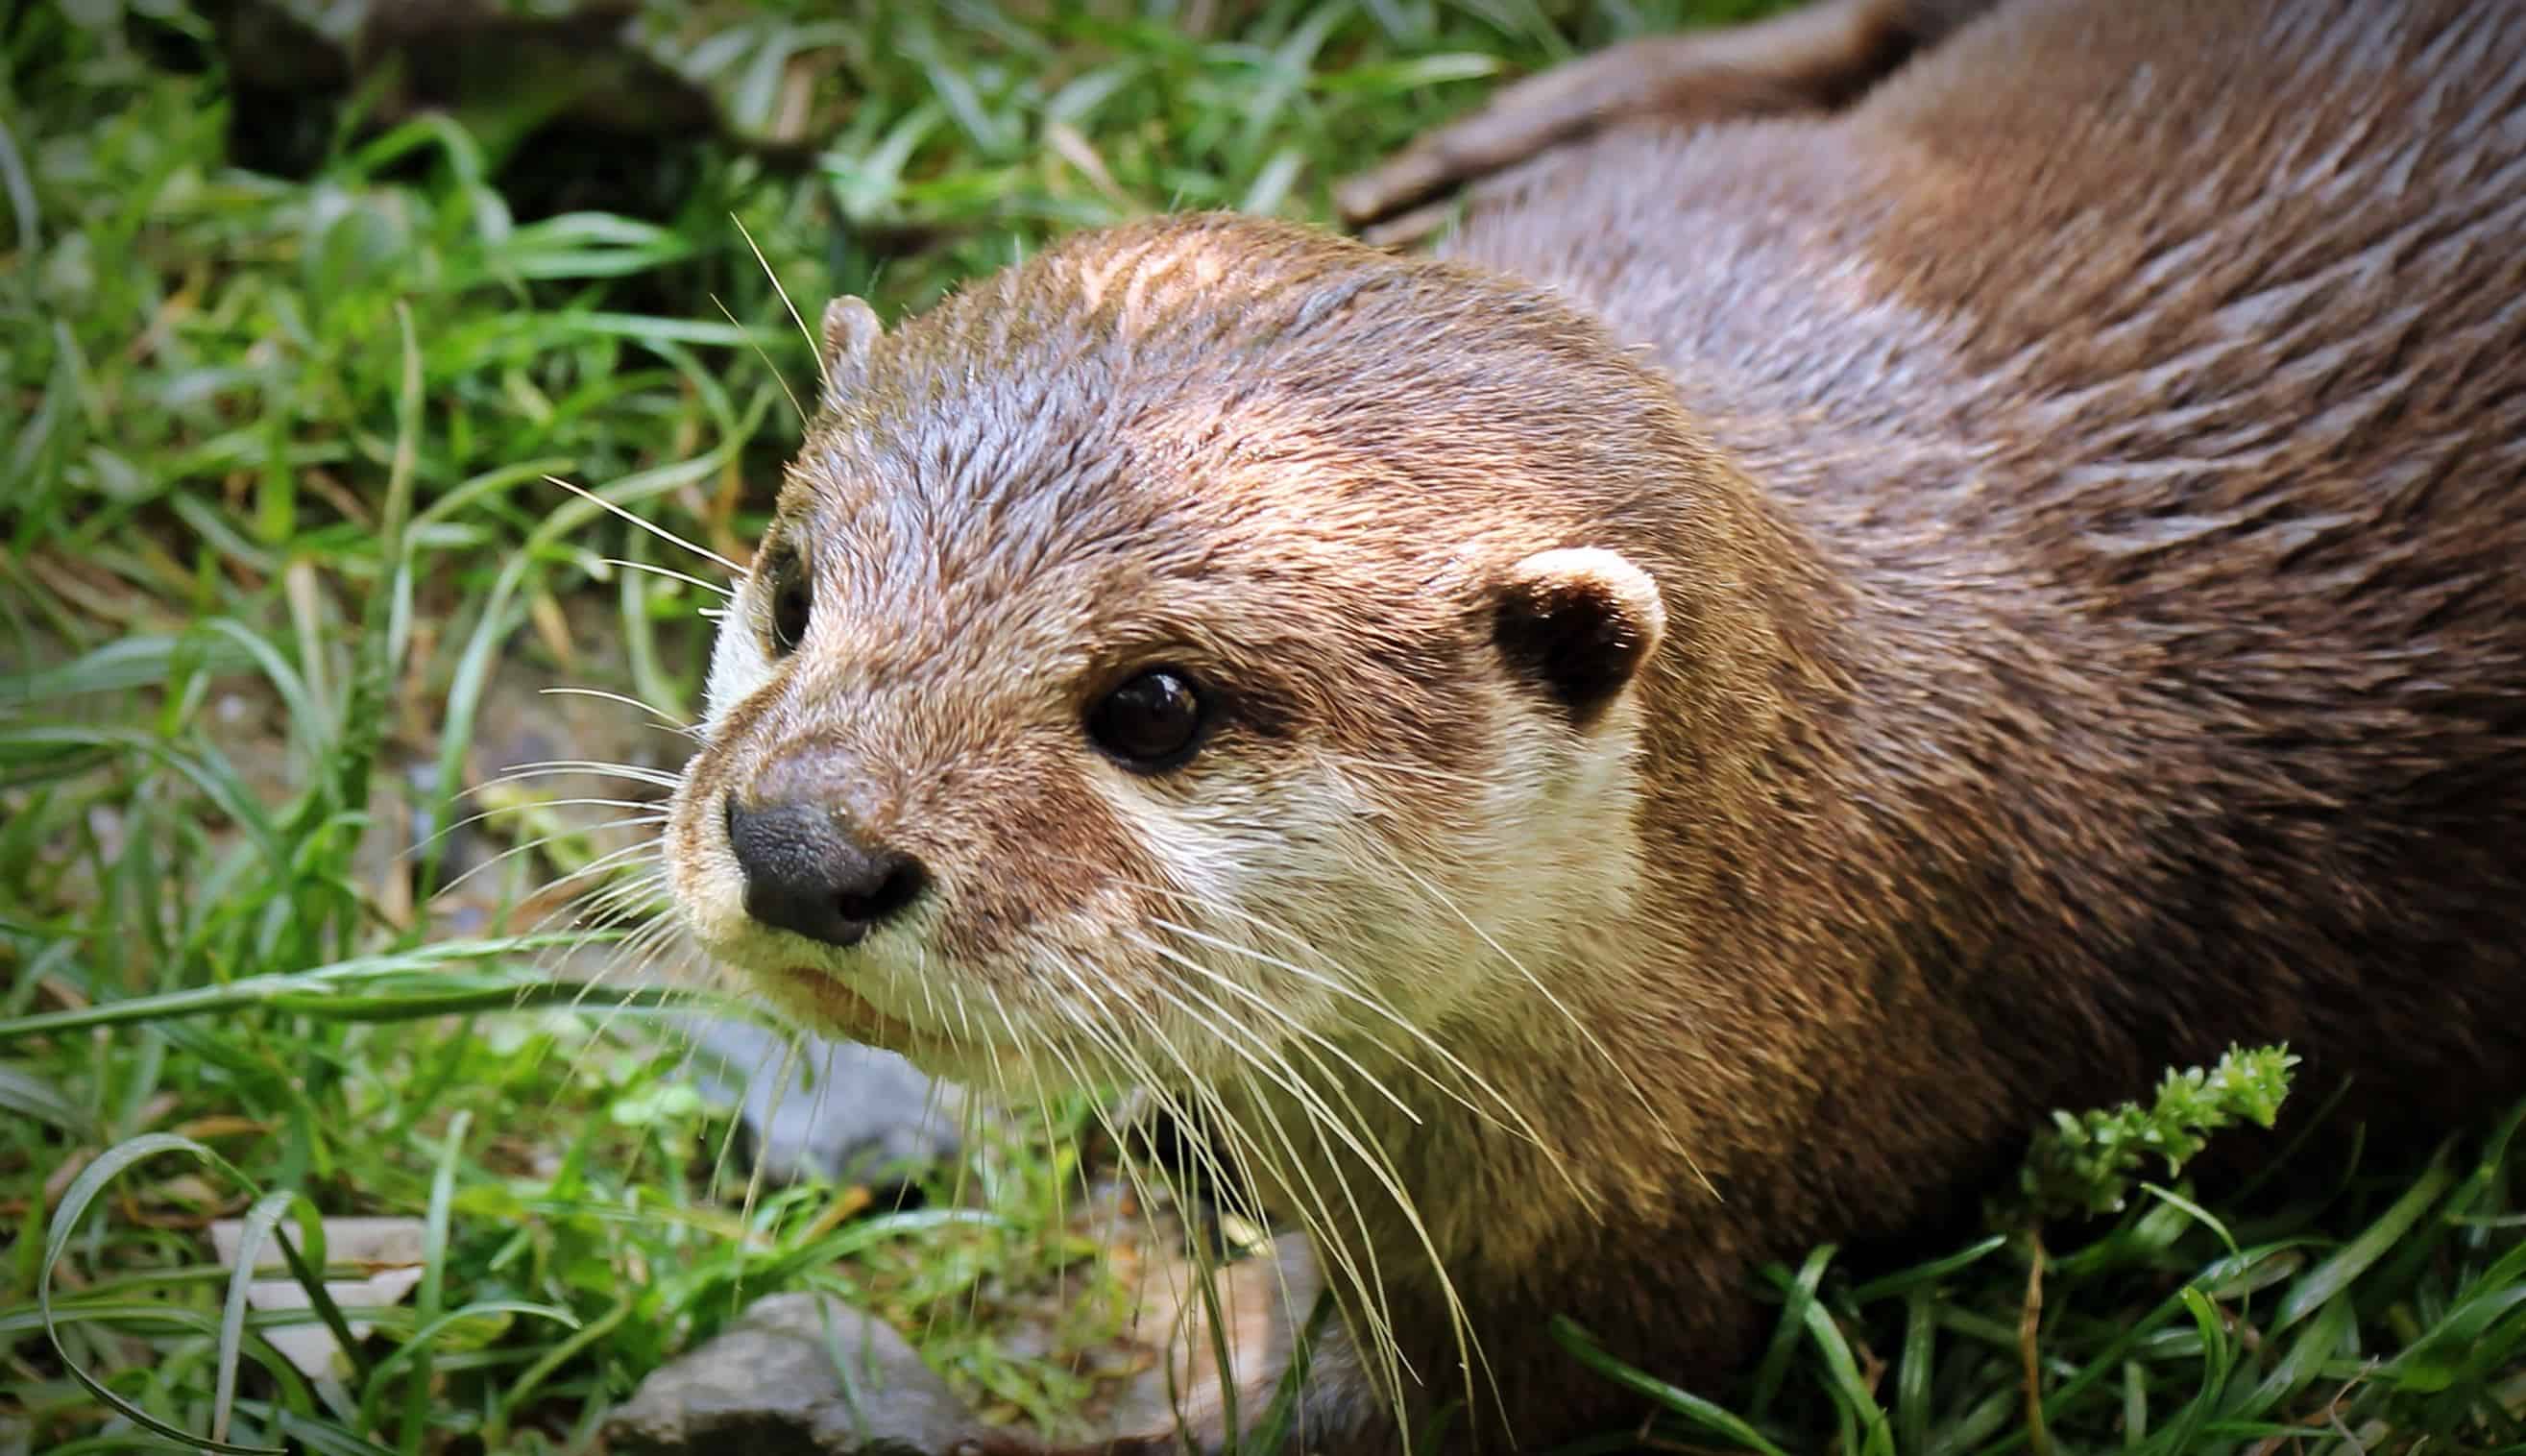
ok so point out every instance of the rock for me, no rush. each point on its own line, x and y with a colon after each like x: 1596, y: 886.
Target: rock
x: 832, y: 1110
x: 387, y: 1249
x: 797, y: 1374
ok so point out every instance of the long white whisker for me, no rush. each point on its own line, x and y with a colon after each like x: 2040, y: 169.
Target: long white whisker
x: 609, y: 905
x: 813, y: 350
x: 1386, y: 1362
x: 592, y: 866
x: 1371, y: 1159
x: 647, y: 813
x: 1351, y: 986
x: 1516, y: 1121
x: 713, y: 588
x: 689, y: 730
x: 1279, y: 1016
x: 652, y: 528
x: 547, y: 768
x: 1315, y: 1211
x: 624, y: 898
x: 1540, y: 989
x: 777, y: 376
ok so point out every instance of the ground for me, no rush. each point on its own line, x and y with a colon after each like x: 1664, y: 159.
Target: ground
x: 285, y: 571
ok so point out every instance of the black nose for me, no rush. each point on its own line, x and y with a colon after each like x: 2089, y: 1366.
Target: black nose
x: 807, y: 870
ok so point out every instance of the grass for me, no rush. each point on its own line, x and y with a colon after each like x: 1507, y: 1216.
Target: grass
x: 275, y: 524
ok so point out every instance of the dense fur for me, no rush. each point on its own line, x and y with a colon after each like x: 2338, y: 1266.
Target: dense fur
x: 2083, y: 484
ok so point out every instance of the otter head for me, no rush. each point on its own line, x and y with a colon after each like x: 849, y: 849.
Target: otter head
x: 1200, y: 639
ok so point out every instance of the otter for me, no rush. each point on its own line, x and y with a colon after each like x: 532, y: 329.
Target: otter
x: 1676, y: 730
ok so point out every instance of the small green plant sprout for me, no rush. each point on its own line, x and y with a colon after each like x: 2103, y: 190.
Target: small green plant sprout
x: 2085, y: 1163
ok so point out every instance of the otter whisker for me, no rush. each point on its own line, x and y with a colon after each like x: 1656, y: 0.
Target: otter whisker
x: 612, y: 862
x: 921, y: 981
x: 782, y: 292
x: 1372, y: 1157
x: 964, y: 1016
x: 689, y: 730
x: 1262, y: 1058
x: 792, y: 1049
x: 1282, y: 1019
x: 645, y: 948
x: 1129, y: 1064
x: 713, y: 588
x: 1384, y: 1345
x: 637, y: 957
x: 959, y: 1035
x: 1119, y: 1058
x: 605, y: 875
x: 971, y: 1166
x: 774, y: 370
x: 1516, y: 1121
x: 1350, y: 984
x: 1371, y: 1153
x: 1113, y: 1047
x: 1390, y: 1174
x: 549, y: 768
x: 597, y: 917
x: 974, y: 1152
x: 629, y: 897
x: 970, y: 1113
x: 1382, y: 1358
x: 649, y: 813
x: 538, y: 842
x: 726, y: 1152
x: 651, y: 527
x: 1630, y: 1084
x: 1314, y: 1210
x: 600, y: 909
x: 1240, y: 1180
x: 1003, y: 1095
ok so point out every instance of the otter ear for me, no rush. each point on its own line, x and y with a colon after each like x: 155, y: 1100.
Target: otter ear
x: 850, y: 327
x: 1579, y: 622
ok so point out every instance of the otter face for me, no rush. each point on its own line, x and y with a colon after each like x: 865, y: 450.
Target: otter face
x: 1111, y: 699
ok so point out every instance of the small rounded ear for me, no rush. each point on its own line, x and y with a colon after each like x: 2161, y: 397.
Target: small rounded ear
x: 850, y: 327
x: 1579, y: 622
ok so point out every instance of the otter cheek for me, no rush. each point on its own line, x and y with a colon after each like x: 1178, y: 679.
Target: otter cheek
x: 737, y: 665
x: 703, y: 878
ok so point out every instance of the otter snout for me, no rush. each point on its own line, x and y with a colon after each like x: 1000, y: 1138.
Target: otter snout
x: 810, y: 870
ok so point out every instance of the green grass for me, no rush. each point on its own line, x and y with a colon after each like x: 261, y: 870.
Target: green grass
x: 271, y: 491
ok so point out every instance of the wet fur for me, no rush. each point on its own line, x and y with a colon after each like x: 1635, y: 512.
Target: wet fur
x: 2086, y: 486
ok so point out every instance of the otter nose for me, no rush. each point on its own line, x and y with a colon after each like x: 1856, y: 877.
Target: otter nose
x: 809, y: 872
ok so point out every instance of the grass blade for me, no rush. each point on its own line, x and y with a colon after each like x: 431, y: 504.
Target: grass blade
x: 66, y: 1219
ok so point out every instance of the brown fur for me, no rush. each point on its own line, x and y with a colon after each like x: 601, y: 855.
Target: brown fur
x: 1808, y: 58
x: 2086, y: 485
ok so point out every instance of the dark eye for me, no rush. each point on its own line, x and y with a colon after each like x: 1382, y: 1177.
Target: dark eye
x: 792, y: 602
x: 1151, y: 722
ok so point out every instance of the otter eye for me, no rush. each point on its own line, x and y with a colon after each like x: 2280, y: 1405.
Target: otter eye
x: 1149, y: 723
x: 792, y: 602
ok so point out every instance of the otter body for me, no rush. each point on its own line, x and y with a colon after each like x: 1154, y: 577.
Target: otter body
x: 1802, y: 646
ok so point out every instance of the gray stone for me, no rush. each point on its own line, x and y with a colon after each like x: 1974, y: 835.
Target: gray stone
x: 797, y: 1374
x: 832, y: 1109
